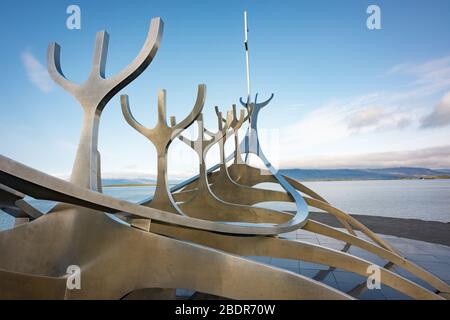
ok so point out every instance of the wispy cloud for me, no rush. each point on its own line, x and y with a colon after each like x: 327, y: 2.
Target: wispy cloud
x: 440, y: 116
x: 341, y: 119
x: 372, y: 130
x: 422, y: 70
x: 36, y: 72
x: 384, y: 120
x: 429, y: 77
x: 377, y: 118
x: 436, y: 157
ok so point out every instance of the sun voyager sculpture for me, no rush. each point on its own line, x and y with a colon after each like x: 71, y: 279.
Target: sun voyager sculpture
x: 196, y: 235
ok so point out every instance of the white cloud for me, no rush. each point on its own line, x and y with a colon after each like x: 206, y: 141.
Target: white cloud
x: 36, y: 72
x: 426, y: 70
x: 374, y: 118
x: 376, y: 129
x: 429, y: 77
x: 436, y: 157
x: 374, y: 123
x: 440, y: 116
x: 366, y: 117
x: 341, y: 119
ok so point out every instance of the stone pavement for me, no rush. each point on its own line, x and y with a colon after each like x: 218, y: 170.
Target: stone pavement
x: 433, y: 257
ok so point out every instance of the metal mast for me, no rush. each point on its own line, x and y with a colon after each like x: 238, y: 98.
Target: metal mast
x: 246, y: 55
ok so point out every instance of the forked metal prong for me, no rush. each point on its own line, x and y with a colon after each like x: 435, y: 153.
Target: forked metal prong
x: 173, y: 121
x: 143, y: 59
x: 196, y: 110
x: 255, y: 104
x: 242, y: 118
x: 233, y: 107
x: 54, y: 68
x: 187, y: 141
x: 162, y: 119
x: 100, y: 54
x: 219, y: 120
x: 128, y: 115
x: 229, y: 120
x: 263, y: 104
x: 209, y: 133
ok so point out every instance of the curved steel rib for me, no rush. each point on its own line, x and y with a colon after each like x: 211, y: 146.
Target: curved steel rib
x: 251, y: 144
x: 13, y: 203
x: 223, y: 186
x: 229, y: 190
x: 298, y: 250
x: 383, y: 253
x: 203, y: 203
x: 43, y: 186
x: 152, y: 261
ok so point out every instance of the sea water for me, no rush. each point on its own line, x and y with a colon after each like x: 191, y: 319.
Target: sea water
x: 417, y: 199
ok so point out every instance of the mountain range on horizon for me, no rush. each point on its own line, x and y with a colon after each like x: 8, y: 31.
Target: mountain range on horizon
x: 326, y: 175
x: 367, y: 174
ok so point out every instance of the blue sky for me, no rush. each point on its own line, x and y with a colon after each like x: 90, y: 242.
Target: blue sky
x: 345, y: 96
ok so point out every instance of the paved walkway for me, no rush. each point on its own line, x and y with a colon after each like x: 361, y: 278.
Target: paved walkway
x: 433, y: 257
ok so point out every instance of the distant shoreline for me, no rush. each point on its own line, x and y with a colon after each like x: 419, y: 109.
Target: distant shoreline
x: 305, y: 180
x: 396, y: 179
x: 130, y: 185
x: 313, y: 175
x: 133, y: 185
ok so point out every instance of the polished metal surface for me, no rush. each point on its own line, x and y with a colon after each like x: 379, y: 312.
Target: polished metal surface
x: 204, y: 204
x: 116, y: 260
x: 161, y: 136
x: 95, y: 93
x: 251, y: 144
x: 132, y: 250
x: 13, y: 203
x: 43, y: 186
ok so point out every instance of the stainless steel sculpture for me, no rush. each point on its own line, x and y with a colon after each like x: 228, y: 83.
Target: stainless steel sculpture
x: 204, y: 204
x: 123, y: 248
x: 95, y: 93
x: 161, y: 136
x: 13, y: 203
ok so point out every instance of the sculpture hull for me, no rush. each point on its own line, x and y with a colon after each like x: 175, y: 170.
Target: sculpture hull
x: 116, y: 260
